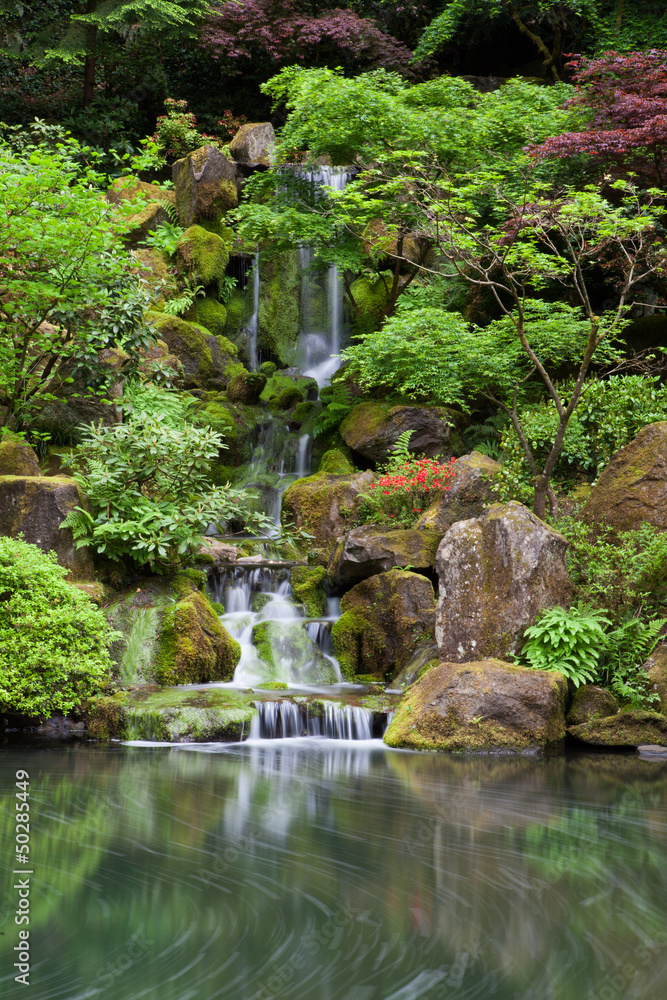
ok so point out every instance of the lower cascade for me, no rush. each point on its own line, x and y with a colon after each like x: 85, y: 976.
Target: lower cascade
x: 281, y: 719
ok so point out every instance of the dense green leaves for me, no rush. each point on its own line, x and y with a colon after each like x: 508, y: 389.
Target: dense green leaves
x: 53, y: 640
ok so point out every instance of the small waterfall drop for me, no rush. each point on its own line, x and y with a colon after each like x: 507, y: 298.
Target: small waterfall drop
x: 253, y: 359
x: 330, y: 720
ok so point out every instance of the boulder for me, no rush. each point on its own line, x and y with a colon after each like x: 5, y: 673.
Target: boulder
x: 171, y: 714
x: 278, y: 314
x: 254, y: 143
x: 290, y: 654
x: 626, y: 729
x: 205, y: 183
x: 211, y: 313
x: 470, y: 491
x: 237, y: 424
x: 152, y: 209
x: 632, y: 489
x: 203, y: 256
x: 170, y: 634
x: 307, y: 584
x: 496, y: 572
x: 216, y: 553
x: 371, y: 429
x: 591, y: 702
x: 18, y: 459
x: 323, y: 505
x: 656, y: 667
x: 35, y: 507
x: 204, y: 357
x: 483, y: 705
x: 383, y: 620
x: 244, y: 386
x: 369, y: 549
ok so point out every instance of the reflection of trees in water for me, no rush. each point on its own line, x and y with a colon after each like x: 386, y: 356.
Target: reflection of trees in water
x: 536, y: 870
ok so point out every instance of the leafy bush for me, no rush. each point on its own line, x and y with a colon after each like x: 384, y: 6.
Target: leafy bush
x: 337, y: 404
x: 567, y: 641
x: 177, y: 134
x: 53, y: 641
x: 165, y: 237
x: 628, y: 647
x: 405, y: 487
x: 148, y: 484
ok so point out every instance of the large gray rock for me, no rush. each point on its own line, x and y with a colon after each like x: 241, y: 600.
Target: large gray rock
x: 323, y: 504
x: 470, y: 489
x: 18, y: 459
x: 371, y: 429
x: 368, y: 550
x: 496, y: 572
x: 632, y: 489
x: 478, y: 706
x: 383, y: 621
x: 254, y: 143
x: 626, y: 729
x: 205, y: 182
x: 36, y: 506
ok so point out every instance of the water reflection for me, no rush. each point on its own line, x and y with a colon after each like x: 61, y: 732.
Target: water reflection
x: 324, y: 871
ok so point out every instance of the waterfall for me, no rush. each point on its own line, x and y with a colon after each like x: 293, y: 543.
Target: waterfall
x: 331, y: 720
x: 252, y: 323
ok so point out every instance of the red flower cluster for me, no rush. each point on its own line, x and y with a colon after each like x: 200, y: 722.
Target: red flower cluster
x: 424, y: 474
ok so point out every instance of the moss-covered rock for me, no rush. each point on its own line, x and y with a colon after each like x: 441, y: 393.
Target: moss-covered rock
x: 324, y: 505
x: 210, y: 313
x: 656, y: 667
x: 152, y: 203
x: 17, y: 458
x: 626, y: 729
x: 334, y: 463
x: 372, y: 429
x: 283, y: 390
x: 254, y: 143
x: 268, y: 368
x: 370, y: 297
x: 35, y: 507
x: 244, y: 386
x: 237, y: 313
x: 154, y: 265
x: 369, y: 549
x: 383, y: 621
x: 471, y: 489
x: 205, y: 186
x: 193, y: 646
x: 632, y: 489
x: 591, y: 702
x: 236, y: 422
x: 177, y: 716
x: 290, y: 654
x: 308, y: 583
x: 204, y: 357
x: 104, y: 717
x: 278, y: 320
x: 496, y: 572
x: 483, y: 705
x: 202, y: 255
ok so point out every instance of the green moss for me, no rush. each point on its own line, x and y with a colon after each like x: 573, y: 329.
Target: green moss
x: 273, y: 686
x: 334, y: 463
x: 179, y: 716
x: 347, y: 636
x: 203, y: 255
x: 278, y: 642
x: 213, y: 315
x: 203, y: 356
x: 193, y: 645
x: 278, y: 320
x: 237, y: 312
x: 287, y: 399
x: 278, y: 385
x: 268, y: 368
x: 303, y: 412
x: 633, y: 728
x: 308, y: 588
x: 244, y: 386
x: 364, y: 421
x: 17, y: 458
x: 104, y: 717
x: 371, y: 301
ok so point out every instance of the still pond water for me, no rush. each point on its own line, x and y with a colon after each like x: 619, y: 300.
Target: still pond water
x: 318, y: 870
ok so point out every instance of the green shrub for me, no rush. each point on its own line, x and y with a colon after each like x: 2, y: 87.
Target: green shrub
x: 53, y: 641
x: 567, y: 641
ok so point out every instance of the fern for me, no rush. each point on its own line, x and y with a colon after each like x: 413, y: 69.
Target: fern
x: 180, y: 305
x: 485, y: 437
x: 569, y: 641
x: 628, y: 648
x: 167, y: 235
x: 337, y: 405
x: 400, y: 452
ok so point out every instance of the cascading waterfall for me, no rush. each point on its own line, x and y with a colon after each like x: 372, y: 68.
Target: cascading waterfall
x: 252, y: 323
x: 280, y: 719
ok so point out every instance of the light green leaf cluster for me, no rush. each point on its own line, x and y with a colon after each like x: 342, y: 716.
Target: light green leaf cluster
x: 53, y: 641
x: 569, y: 641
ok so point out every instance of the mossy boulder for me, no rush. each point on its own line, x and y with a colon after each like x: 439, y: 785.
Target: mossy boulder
x: 176, y: 716
x: 290, y: 654
x: 370, y: 549
x: 324, y: 505
x: 370, y: 297
x: 308, y: 583
x: 154, y: 266
x: 383, y: 620
x: 591, y: 702
x: 496, y: 572
x: 632, y: 489
x: 211, y: 314
x: 170, y: 634
x: 152, y: 203
x: 656, y: 668
x: 205, y: 186
x: 204, y: 357
x: 625, y: 729
x: 278, y: 319
x: 202, y: 255
x: 471, y: 489
x: 285, y: 391
x: 236, y: 422
x: 485, y: 705
x: 35, y: 507
x: 334, y: 463
x: 244, y: 386
x: 254, y: 143
x: 372, y: 429
x: 193, y: 647
x: 17, y: 458
x: 237, y: 313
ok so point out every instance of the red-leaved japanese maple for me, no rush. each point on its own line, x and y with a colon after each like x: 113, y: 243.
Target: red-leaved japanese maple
x: 286, y: 31
x: 626, y: 96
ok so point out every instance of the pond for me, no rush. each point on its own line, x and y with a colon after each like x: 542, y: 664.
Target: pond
x: 322, y: 870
